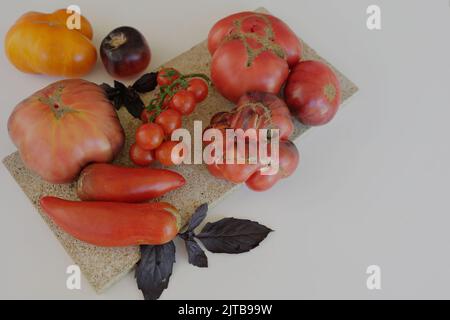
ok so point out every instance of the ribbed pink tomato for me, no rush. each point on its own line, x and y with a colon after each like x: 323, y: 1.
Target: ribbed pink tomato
x: 63, y: 127
x: 251, y: 52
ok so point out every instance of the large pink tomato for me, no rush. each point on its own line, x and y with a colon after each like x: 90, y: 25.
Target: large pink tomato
x: 251, y: 52
x: 63, y: 127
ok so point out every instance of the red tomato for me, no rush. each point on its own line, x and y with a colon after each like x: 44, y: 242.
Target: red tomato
x: 140, y: 156
x: 260, y: 110
x: 114, y: 224
x: 289, y: 158
x: 313, y: 93
x: 199, y: 88
x: 164, y: 154
x: 215, y: 171
x: 236, y: 172
x: 288, y: 162
x: 257, y: 47
x: 169, y: 120
x: 259, y: 182
x: 125, y: 184
x: 166, y: 76
x: 63, y: 127
x: 149, y: 136
x: 183, y: 101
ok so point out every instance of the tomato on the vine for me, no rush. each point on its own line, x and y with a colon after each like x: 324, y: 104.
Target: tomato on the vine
x: 149, y: 136
x: 166, y: 76
x: 199, y: 88
x: 165, y: 155
x: 166, y: 101
x: 146, y: 115
x: 169, y: 120
x: 183, y: 101
x: 140, y: 156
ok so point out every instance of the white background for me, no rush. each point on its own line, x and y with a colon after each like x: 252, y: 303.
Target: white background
x: 372, y: 187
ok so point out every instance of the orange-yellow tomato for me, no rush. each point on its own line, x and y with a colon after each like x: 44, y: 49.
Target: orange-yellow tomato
x: 42, y: 43
x: 63, y: 127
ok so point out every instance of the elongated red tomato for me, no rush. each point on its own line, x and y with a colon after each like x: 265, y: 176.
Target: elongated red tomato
x: 107, y: 182
x: 114, y: 224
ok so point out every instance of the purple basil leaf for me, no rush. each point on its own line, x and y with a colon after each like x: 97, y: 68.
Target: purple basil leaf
x: 133, y: 103
x: 198, y: 216
x: 118, y: 102
x: 196, y: 255
x: 109, y: 91
x: 146, y: 83
x: 154, y: 269
x: 113, y: 95
x: 120, y: 86
x: 231, y: 235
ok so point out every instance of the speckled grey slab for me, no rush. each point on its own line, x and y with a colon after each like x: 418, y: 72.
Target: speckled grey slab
x: 104, y: 266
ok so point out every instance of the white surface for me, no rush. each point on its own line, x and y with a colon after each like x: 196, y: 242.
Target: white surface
x: 372, y: 187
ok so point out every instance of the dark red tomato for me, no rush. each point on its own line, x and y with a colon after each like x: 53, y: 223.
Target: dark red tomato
x: 289, y: 158
x: 149, y: 136
x: 313, y: 93
x: 166, y: 154
x: 140, y: 156
x: 183, y: 101
x: 125, y: 52
x: 251, y: 52
x: 169, y: 120
x: 166, y: 76
x: 199, y: 88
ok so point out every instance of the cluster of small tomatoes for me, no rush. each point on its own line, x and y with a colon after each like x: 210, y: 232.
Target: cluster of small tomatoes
x: 178, y: 96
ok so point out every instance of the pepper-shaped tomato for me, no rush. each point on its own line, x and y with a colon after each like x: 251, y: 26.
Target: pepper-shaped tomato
x: 108, y: 182
x: 114, y: 224
x: 63, y: 127
x: 42, y: 43
x: 251, y: 52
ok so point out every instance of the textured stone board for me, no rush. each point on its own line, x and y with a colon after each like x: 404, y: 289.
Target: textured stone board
x: 103, y: 266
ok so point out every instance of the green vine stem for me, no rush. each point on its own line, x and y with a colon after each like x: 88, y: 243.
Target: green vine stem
x: 156, y: 104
